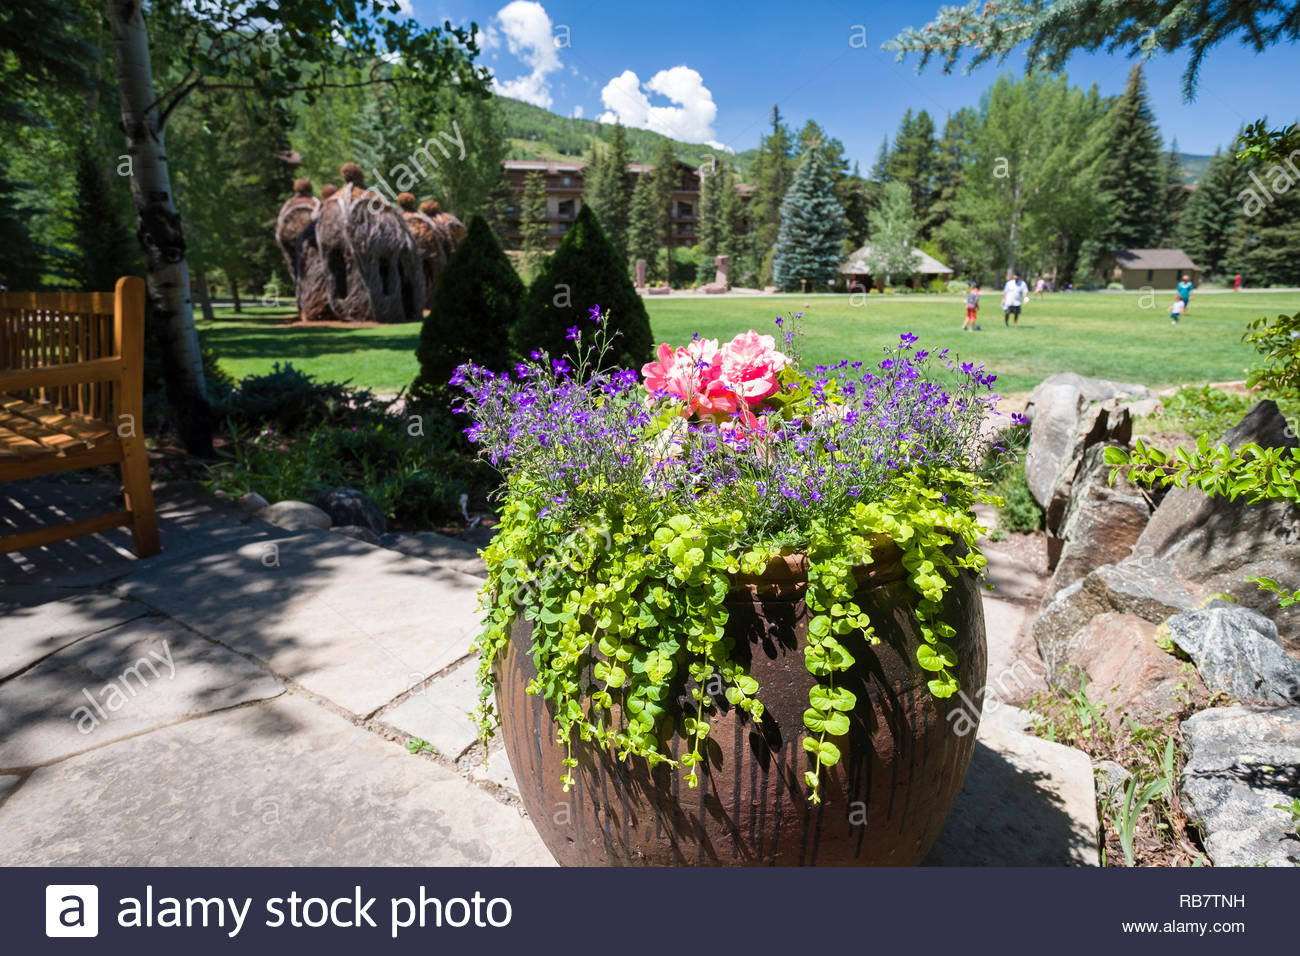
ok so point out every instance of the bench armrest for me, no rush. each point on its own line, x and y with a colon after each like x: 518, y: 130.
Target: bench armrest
x: 69, y: 373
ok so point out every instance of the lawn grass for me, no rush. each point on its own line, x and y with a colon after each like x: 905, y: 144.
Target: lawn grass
x: 1107, y: 335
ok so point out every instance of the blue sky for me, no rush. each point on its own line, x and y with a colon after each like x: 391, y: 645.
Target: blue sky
x: 711, y: 71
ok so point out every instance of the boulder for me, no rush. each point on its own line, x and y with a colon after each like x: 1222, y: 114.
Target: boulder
x: 1220, y: 543
x: 348, y: 506
x: 1128, y: 673
x: 1241, y: 763
x: 1102, y: 521
x: 1237, y: 652
x: 359, y: 532
x: 1103, y: 423
x: 252, y: 502
x: 294, y: 516
x: 1150, y: 589
x: 1056, y: 410
x: 1094, y: 389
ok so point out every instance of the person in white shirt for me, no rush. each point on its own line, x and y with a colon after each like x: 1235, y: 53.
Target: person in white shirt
x: 1014, y: 295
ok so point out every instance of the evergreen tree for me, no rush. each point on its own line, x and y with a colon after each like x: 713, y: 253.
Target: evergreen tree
x: 106, y: 249
x: 609, y: 188
x: 809, y: 245
x: 952, y: 150
x: 532, y: 223
x: 772, y: 176
x: 1264, y: 245
x: 914, y: 161
x: 586, y: 271
x: 854, y: 194
x: 1132, y: 179
x: 893, y: 234
x: 1211, y: 213
x: 664, y: 182
x: 1174, y: 196
x: 474, y: 309
x: 643, y: 230
x: 712, y: 183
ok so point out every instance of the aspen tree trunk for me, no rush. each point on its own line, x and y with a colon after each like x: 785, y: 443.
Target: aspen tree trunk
x: 162, y: 239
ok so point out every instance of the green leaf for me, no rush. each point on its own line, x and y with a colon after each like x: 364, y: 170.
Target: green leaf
x: 836, y: 724
x: 828, y: 753
x: 1115, y: 456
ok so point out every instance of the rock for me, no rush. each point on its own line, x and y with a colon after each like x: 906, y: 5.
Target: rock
x: 359, y: 532
x: 1220, y: 543
x: 1110, y: 776
x: 1128, y: 673
x: 1241, y: 763
x: 1094, y: 389
x: 348, y: 506
x: 294, y: 516
x: 1150, y: 589
x: 252, y: 502
x: 1237, y: 652
x: 1101, y: 523
x: 1056, y: 411
x: 1145, y: 407
x: 1106, y: 423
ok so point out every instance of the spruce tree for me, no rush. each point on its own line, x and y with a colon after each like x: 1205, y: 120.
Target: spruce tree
x: 914, y: 161
x: 1173, y: 196
x: 609, y: 188
x: 105, y: 244
x: 1132, y: 176
x: 474, y: 309
x: 730, y: 227
x: 533, y: 224
x: 586, y: 271
x: 809, y: 244
x: 952, y: 150
x: 643, y: 233
x: 1264, y: 245
x: 665, y: 179
x: 712, y: 183
x: 771, y: 172
x: 1212, y: 211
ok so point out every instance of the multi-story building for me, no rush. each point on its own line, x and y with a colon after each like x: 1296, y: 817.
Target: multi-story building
x: 564, y: 184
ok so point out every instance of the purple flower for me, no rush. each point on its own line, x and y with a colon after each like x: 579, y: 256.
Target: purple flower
x: 594, y: 313
x: 572, y: 333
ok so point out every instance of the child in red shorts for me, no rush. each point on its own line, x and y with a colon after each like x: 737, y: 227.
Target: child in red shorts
x: 972, y: 307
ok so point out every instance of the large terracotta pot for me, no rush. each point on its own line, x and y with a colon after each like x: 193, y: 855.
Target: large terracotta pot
x: 885, y: 803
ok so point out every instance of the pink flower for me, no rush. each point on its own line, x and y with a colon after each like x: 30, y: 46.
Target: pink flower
x: 750, y: 364
x: 691, y: 375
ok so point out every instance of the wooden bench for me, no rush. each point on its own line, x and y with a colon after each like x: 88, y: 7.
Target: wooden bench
x: 71, y: 396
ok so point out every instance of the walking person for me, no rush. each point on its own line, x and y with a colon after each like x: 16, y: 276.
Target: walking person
x: 1184, y: 291
x: 1236, y: 283
x: 972, y: 308
x: 1014, y: 294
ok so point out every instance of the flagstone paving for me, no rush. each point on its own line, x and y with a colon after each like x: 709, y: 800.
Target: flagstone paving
x: 301, y: 664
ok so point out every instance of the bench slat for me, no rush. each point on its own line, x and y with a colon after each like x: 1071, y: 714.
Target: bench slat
x: 47, y: 416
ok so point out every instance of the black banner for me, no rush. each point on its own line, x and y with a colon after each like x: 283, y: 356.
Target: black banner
x: 262, y: 910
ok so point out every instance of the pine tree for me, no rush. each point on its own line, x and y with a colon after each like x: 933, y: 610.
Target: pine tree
x: 665, y: 180
x: 1174, y: 196
x: 1264, y: 245
x: 772, y: 177
x: 1132, y: 176
x: 474, y: 309
x: 609, y: 188
x: 532, y: 223
x: 1211, y: 213
x: 643, y: 230
x: 855, y: 196
x: 106, y: 249
x: 914, y: 161
x: 712, y: 184
x: 809, y: 244
x: 585, y: 271
x: 952, y: 150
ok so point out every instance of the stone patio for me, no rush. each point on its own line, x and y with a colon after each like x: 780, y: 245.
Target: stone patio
x: 245, y: 698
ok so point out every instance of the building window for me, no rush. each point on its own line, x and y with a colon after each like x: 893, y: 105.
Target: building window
x: 685, y: 210
x: 1151, y: 274
x: 565, y: 209
x: 567, y: 180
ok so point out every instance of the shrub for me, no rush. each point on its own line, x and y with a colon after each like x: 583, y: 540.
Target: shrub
x: 1114, y: 287
x: 584, y: 272
x: 936, y: 285
x: 474, y: 308
x: 1020, y: 512
x: 290, y: 400
x: 959, y: 286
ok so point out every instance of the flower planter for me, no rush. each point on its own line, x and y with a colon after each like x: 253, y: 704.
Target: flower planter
x: 884, y: 803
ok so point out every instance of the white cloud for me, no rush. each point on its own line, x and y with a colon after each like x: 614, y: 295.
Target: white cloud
x: 691, y: 120
x: 405, y: 8
x: 577, y: 112
x: 530, y: 37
